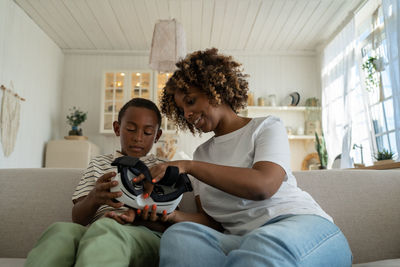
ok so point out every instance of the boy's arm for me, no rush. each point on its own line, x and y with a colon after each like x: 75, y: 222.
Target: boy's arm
x: 83, y: 210
x: 85, y: 207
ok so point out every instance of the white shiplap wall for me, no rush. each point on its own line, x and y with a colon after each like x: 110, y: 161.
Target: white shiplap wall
x: 269, y: 74
x: 34, y: 63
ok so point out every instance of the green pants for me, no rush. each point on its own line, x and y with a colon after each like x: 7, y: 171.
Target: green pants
x: 104, y: 243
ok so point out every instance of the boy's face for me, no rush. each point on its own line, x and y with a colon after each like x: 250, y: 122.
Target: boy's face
x: 138, y: 131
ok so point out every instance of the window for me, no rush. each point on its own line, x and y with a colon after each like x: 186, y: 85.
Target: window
x: 380, y: 97
x: 357, y: 131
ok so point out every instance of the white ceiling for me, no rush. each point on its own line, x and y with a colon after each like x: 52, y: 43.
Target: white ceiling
x: 257, y: 26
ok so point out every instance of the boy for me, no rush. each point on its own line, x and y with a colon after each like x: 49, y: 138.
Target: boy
x: 108, y: 241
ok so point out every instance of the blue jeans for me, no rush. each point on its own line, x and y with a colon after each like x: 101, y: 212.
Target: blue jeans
x: 289, y: 240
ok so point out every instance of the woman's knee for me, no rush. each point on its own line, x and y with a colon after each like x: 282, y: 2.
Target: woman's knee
x: 182, y: 231
x: 186, y: 229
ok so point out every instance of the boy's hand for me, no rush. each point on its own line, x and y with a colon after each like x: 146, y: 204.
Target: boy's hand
x: 101, y: 194
x: 126, y: 217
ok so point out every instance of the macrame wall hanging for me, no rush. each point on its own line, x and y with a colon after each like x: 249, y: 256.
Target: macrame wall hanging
x: 9, y: 119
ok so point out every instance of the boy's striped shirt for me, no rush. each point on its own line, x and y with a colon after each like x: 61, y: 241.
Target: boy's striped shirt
x: 97, y: 167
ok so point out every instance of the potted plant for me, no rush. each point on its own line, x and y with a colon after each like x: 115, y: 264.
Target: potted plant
x: 371, y: 67
x: 321, y: 149
x: 383, y: 157
x: 76, y: 118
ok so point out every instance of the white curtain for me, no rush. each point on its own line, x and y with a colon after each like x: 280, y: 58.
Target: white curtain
x: 338, y: 71
x: 391, y: 14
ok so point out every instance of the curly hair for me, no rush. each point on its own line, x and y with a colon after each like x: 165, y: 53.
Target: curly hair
x: 216, y: 75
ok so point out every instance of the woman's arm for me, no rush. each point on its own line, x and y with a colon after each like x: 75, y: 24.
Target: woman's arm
x: 266, y: 178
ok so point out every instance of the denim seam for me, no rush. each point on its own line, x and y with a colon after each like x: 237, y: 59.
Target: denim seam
x: 320, y: 244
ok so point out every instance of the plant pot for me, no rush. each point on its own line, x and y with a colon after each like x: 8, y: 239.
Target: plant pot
x: 381, y: 162
x: 75, y: 131
x: 379, y: 64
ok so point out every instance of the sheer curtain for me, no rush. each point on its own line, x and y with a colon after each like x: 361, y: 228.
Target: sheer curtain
x: 391, y: 14
x: 338, y: 76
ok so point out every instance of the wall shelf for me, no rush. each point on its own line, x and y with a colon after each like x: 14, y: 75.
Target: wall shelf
x: 301, y: 137
x: 280, y: 108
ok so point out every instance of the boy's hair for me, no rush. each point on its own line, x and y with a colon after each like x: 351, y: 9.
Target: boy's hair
x: 140, y: 103
x: 216, y: 75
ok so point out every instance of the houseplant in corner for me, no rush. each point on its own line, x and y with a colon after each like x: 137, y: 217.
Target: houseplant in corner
x: 76, y: 118
x: 321, y: 149
x: 383, y: 157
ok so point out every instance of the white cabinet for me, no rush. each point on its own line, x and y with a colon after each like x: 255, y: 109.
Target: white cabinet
x: 70, y: 153
x: 299, y: 127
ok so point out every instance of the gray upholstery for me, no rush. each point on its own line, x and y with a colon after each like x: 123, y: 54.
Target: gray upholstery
x: 364, y: 204
x: 31, y: 200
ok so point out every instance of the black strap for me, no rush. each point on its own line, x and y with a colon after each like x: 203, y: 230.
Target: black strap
x: 133, y: 163
x: 171, y: 178
x: 182, y: 185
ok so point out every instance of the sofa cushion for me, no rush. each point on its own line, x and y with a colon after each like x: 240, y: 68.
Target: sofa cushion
x: 384, y: 263
x: 31, y: 200
x: 12, y: 262
x: 365, y: 204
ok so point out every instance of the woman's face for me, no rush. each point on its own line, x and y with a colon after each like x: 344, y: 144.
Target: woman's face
x: 197, y: 109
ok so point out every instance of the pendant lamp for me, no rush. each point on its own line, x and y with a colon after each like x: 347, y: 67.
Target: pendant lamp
x: 168, y: 45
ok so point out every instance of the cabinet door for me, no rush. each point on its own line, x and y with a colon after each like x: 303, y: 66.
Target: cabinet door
x: 112, y: 99
x: 140, y: 85
x: 118, y: 88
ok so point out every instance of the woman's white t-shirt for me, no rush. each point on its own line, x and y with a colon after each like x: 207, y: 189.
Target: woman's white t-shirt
x: 262, y: 139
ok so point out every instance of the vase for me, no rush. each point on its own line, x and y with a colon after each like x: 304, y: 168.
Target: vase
x: 75, y: 131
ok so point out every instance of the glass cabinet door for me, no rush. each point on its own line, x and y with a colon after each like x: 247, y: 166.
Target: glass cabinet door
x: 113, y: 98
x: 140, y: 85
x: 119, y: 88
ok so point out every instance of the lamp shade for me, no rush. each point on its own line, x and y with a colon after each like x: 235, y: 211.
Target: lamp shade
x: 168, y: 45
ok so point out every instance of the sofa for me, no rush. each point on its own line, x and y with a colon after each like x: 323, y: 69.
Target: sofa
x: 365, y: 204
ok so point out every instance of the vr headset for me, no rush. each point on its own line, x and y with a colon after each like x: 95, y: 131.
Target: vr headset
x: 167, y: 193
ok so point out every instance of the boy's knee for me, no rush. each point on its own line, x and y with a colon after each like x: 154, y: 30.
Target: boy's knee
x: 60, y: 227
x: 104, y: 223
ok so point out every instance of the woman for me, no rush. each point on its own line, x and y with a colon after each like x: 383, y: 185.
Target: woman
x: 251, y: 212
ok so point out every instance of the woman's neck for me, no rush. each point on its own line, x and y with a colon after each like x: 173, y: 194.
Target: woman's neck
x: 230, y: 123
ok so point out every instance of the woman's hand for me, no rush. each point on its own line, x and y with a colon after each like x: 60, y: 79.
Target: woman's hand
x: 153, y: 216
x: 157, y: 173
